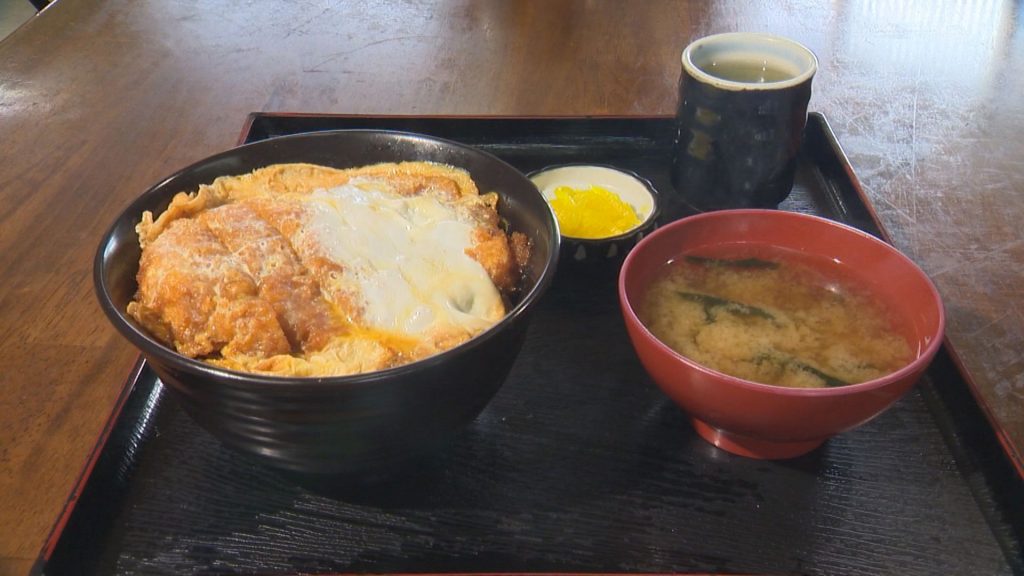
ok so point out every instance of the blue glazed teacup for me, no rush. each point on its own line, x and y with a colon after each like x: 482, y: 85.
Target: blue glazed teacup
x: 741, y: 115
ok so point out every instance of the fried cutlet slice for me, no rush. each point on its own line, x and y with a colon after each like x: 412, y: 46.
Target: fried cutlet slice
x: 307, y: 319
x: 288, y: 219
x: 194, y: 294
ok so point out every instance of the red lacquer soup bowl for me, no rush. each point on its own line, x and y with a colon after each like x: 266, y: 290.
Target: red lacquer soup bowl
x: 775, y: 422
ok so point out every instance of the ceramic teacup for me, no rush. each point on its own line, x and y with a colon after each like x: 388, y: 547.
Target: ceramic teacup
x: 741, y: 115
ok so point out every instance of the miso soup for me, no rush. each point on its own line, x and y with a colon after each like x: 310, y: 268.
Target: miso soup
x: 766, y: 314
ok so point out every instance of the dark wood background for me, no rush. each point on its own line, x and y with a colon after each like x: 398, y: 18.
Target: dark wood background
x: 99, y: 99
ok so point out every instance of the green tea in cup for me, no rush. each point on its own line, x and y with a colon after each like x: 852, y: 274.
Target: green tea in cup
x: 740, y: 120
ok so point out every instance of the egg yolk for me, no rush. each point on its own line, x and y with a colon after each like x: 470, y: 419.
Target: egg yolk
x: 591, y: 213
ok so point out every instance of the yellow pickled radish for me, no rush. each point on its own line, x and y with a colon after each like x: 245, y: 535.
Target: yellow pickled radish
x: 593, y: 212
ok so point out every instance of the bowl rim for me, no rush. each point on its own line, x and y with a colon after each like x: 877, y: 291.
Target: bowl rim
x: 919, y: 362
x: 645, y: 224
x: 149, y: 346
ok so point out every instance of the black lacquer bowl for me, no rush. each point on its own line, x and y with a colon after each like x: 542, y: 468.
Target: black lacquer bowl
x: 363, y: 425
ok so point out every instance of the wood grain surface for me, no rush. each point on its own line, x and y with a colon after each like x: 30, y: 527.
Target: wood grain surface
x: 100, y: 99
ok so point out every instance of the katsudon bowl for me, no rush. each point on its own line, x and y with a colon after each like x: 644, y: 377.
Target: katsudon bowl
x: 364, y: 425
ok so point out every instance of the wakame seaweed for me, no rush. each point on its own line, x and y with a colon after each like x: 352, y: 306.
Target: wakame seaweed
x: 788, y: 361
x: 711, y: 303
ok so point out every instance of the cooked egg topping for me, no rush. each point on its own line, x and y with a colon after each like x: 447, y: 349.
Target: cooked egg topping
x: 304, y: 270
x: 407, y: 258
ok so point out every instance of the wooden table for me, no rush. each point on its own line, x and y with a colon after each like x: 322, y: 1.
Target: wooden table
x: 99, y: 99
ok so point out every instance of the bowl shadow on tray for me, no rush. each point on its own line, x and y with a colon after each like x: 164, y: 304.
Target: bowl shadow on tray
x: 449, y: 472
x: 252, y: 483
x: 505, y: 443
x: 407, y: 486
x: 666, y: 414
x: 709, y: 484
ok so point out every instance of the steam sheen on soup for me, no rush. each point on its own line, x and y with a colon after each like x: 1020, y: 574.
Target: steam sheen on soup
x: 765, y: 314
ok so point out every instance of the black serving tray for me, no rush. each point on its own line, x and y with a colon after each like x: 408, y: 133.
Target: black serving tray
x: 579, y: 464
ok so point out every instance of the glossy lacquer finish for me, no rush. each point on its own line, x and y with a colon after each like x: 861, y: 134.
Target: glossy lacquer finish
x: 775, y: 422
x: 739, y: 136
x: 362, y: 425
x: 100, y: 99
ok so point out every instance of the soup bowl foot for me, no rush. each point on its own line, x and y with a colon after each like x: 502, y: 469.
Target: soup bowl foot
x: 753, y: 447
